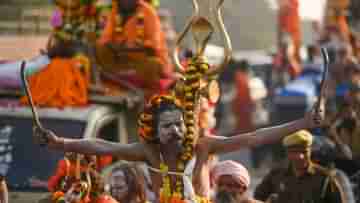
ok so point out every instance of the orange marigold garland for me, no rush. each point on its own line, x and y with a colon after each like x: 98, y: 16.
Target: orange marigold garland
x: 66, y: 80
x: 197, y: 67
x: 188, y: 103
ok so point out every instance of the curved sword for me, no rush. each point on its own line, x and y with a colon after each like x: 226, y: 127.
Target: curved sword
x: 36, y: 120
x: 325, y: 73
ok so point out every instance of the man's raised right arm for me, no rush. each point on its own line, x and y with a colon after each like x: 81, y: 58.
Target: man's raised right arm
x: 131, y: 152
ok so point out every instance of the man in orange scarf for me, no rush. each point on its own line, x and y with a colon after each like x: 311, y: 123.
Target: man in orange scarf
x: 243, y: 105
x: 134, y: 26
x: 289, y: 35
x: 289, y: 22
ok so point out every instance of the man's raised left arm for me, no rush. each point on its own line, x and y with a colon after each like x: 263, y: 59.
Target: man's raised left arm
x: 263, y: 136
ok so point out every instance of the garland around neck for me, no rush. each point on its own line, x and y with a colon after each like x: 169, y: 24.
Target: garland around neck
x: 166, y: 194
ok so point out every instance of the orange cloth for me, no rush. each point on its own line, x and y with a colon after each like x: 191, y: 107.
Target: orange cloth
x: 340, y: 23
x: 58, y: 197
x: 149, y: 32
x: 289, y: 22
x: 60, y: 84
x: 105, y: 199
x: 176, y: 199
x: 294, y: 67
x: 336, y: 16
x: 242, y: 104
x: 343, y: 27
x: 289, y: 19
x: 104, y: 161
x: 62, y: 170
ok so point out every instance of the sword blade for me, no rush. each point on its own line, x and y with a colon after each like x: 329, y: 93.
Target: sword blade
x: 325, y: 73
x: 28, y: 95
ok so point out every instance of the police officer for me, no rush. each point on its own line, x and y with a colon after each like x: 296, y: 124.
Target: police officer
x: 302, y: 181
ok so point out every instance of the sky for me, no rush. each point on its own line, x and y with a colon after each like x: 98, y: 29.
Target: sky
x: 309, y: 9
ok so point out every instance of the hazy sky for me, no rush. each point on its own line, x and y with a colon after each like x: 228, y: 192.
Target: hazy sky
x: 309, y: 9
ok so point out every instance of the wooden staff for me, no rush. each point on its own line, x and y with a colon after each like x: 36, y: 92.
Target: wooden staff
x: 36, y: 121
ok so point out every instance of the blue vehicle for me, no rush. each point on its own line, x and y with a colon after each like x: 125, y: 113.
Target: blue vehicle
x: 297, y: 97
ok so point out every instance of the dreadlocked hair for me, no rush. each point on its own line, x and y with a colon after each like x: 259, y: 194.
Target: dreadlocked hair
x: 135, y: 179
x: 149, y: 118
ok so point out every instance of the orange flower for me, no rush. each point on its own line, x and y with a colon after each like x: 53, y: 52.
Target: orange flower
x: 56, y: 195
x: 60, y: 84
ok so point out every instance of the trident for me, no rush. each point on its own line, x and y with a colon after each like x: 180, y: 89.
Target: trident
x: 202, y: 30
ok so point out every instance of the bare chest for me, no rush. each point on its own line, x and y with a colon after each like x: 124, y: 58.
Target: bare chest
x: 200, y: 173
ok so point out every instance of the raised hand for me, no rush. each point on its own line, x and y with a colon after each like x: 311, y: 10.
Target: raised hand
x: 316, y: 117
x: 44, y: 137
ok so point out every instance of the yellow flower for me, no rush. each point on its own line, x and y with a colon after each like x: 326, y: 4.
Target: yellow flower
x: 140, y: 32
x: 190, y: 69
x: 140, y: 16
x: 118, y: 29
x: 164, y: 168
x: 204, y: 67
x: 181, y: 166
x: 191, y: 130
x: 177, y: 195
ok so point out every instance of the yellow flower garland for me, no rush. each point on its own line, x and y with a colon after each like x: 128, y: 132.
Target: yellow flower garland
x: 168, y: 194
x: 193, y: 75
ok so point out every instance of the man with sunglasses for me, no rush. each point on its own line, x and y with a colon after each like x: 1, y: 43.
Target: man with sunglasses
x: 302, y: 181
x: 231, y: 181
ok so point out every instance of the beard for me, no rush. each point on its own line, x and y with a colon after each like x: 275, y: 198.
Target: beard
x: 174, y: 139
x: 225, y: 197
